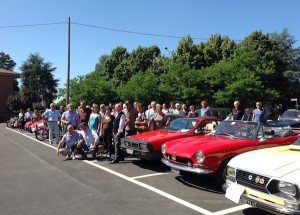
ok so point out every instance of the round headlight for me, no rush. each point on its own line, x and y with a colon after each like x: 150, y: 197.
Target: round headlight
x: 163, y: 148
x: 200, y: 157
x: 287, y: 188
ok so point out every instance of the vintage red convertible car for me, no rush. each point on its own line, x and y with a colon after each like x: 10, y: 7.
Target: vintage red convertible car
x: 148, y: 145
x: 209, y: 154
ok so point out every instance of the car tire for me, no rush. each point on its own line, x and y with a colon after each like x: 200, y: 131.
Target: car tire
x: 220, y: 175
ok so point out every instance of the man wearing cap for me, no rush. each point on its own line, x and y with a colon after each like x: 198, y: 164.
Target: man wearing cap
x: 131, y: 114
x: 119, y: 132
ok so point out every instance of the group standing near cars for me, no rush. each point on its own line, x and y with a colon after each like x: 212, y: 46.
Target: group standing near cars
x: 194, y: 141
x: 114, y: 122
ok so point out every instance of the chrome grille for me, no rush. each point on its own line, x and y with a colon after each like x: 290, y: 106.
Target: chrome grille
x: 252, y: 180
x: 135, y: 145
x: 181, y: 160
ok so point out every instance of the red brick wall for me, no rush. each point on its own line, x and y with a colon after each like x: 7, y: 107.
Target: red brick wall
x: 6, y: 89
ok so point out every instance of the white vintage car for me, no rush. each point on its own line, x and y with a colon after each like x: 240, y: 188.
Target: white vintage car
x: 268, y: 179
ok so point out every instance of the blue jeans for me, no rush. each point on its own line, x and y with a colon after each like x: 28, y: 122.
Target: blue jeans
x: 53, y: 127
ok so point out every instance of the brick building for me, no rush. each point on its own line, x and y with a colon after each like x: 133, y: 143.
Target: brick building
x: 6, y: 88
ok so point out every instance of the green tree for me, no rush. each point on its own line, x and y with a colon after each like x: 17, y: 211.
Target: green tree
x: 217, y: 49
x: 186, y: 52
x: 181, y: 84
x: 114, y: 66
x: 141, y: 87
x: 288, y: 64
x: 243, y: 77
x: 7, y: 63
x: 38, y: 83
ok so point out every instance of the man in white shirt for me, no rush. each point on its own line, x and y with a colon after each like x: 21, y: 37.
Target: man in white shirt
x: 28, y: 115
x: 88, y: 141
x: 52, y: 116
x: 119, y: 132
x: 151, y: 112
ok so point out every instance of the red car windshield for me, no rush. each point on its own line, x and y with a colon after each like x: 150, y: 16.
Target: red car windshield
x: 238, y: 129
x: 181, y: 124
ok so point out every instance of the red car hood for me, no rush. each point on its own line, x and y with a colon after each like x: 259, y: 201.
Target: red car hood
x: 187, y: 147
x: 159, y: 136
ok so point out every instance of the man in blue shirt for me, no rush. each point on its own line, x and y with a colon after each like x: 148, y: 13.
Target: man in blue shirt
x: 66, y: 145
x: 70, y: 117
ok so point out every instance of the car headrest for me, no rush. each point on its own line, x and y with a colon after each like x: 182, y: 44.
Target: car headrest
x: 270, y: 132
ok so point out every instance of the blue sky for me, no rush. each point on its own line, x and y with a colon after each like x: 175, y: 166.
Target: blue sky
x: 198, y: 18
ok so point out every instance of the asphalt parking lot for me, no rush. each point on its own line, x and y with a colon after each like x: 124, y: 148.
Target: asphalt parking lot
x: 34, y: 180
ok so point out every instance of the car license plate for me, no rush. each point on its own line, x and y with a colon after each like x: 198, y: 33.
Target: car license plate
x: 173, y: 157
x: 249, y: 202
x: 234, y: 193
x: 129, y: 151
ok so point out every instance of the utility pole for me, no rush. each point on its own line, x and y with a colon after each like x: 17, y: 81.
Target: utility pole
x: 166, y: 48
x: 68, y: 78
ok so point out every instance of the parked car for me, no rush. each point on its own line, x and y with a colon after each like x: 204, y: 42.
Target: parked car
x: 147, y: 145
x: 290, y: 115
x: 209, y: 154
x: 268, y: 179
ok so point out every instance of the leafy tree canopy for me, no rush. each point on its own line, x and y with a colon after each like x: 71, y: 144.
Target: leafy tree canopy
x: 38, y: 83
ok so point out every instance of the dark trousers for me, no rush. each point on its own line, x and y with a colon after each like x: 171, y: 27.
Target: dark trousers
x: 107, y: 139
x: 83, y: 149
x: 119, y: 153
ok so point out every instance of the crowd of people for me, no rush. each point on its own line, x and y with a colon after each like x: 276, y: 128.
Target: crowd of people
x: 87, y: 129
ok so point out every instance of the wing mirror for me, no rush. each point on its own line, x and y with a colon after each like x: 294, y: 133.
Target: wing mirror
x: 262, y: 140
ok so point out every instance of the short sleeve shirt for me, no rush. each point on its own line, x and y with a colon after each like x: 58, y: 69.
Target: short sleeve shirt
x: 52, y: 116
x: 72, y: 117
x: 258, y: 115
x: 237, y: 114
x: 206, y: 112
x: 69, y: 140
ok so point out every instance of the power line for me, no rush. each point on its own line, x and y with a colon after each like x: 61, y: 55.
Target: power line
x: 33, y: 25
x: 134, y: 32
x: 111, y: 29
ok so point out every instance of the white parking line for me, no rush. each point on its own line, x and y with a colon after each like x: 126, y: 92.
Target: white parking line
x: 153, y: 189
x: 149, y: 175
x: 231, y: 210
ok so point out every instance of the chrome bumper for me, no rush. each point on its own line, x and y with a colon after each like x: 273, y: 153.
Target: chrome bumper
x: 269, y: 206
x: 186, y: 168
x: 262, y: 204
